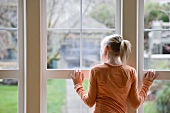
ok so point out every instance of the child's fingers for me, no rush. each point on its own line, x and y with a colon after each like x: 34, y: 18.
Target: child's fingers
x: 71, y: 75
x: 82, y: 76
x: 145, y: 74
x: 156, y: 75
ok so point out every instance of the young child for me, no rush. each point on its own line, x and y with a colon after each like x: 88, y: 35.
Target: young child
x: 112, y: 82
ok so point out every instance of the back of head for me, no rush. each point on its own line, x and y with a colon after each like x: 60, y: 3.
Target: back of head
x: 119, y: 46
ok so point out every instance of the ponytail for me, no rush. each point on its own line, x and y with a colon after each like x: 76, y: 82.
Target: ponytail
x: 125, y: 49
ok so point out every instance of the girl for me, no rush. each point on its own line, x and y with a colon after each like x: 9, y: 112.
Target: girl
x: 111, y: 83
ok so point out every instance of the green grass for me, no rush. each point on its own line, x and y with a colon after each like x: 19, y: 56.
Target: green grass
x: 149, y: 107
x: 56, y: 95
x: 85, y: 84
x: 56, y: 98
x: 8, y: 99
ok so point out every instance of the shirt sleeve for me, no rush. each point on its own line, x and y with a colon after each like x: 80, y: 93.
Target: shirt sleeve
x: 90, y: 97
x: 137, y: 98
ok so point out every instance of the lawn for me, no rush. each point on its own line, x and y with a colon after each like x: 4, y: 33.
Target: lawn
x: 149, y: 107
x: 85, y: 84
x: 56, y: 95
x: 56, y: 98
x: 8, y: 99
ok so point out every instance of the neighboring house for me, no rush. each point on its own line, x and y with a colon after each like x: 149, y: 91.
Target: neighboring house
x: 69, y: 44
x: 159, y: 41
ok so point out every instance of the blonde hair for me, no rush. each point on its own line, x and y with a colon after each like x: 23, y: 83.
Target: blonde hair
x: 119, y: 46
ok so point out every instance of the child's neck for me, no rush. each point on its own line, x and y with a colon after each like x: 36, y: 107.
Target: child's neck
x: 114, y: 61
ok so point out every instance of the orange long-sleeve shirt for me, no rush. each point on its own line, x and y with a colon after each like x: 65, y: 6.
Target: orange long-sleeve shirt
x: 109, y: 88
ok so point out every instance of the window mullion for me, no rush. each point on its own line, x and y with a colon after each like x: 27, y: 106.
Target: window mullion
x: 118, y: 13
x: 81, y: 25
x: 140, y: 35
x: 43, y: 57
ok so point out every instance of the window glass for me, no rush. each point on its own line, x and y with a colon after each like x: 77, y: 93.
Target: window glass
x: 8, y: 34
x: 157, y: 34
x: 62, y: 98
x: 8, y: 14
x: 63, y: 13
x: 91, y: 46
x: 63, y: 49
x: 9, y: 96
x: 98, y: 13
x: 8, y: 49
x: 158, y: 99
x: 70, y: 21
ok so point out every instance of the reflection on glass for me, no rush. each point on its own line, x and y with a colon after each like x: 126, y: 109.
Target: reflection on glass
x: 158, y: 100
x: 63, y: 49
x: 62, y: 98
x: 8, y: 49
x: 91, y: 47
x: 63, y: 13
x: 8, y: 96
x: 99, y: 13
x: 8, y: 13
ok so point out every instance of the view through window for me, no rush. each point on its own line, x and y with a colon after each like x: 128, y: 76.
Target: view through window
x: 8, y: 34
x: 9, y: 96
x: 75, y: 29
x: 157, y: 34
x: 8, y: 55
x: 158, y: 98
x: 157, y: 52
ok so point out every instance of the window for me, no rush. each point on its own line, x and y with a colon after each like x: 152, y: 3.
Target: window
x: 69, y: 30
x: 11, y: 56
x: 156, y: 35
x: 154, y: 51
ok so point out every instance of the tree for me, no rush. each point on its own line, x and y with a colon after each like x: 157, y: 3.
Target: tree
x: 155, y: 11
x: 105, y: 14
x: 8, y: 38
x: 59, y: 12
x: 66, y: 14
x: 163, y: 100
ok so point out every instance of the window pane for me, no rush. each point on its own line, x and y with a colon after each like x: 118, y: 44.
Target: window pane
x: 63, y: 13
x: 62, y: 98
x: 157, y: 50
x: 8, y: 13
x: 156, y: 10
x: 157, y: 34
x: 63, y: 49
x: 8, y: 96
x: 91, y: 46
x: 158, y: 100
x: 98, y: 13
x: 8, y: 49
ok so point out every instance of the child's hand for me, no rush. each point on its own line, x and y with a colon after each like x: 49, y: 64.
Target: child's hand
x: 77, y: 77
x: 150, y: 75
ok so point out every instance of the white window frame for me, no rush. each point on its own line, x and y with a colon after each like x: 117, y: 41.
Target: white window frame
x: 19, y: 72
x: 62, y: 73
x: 163, y: 75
